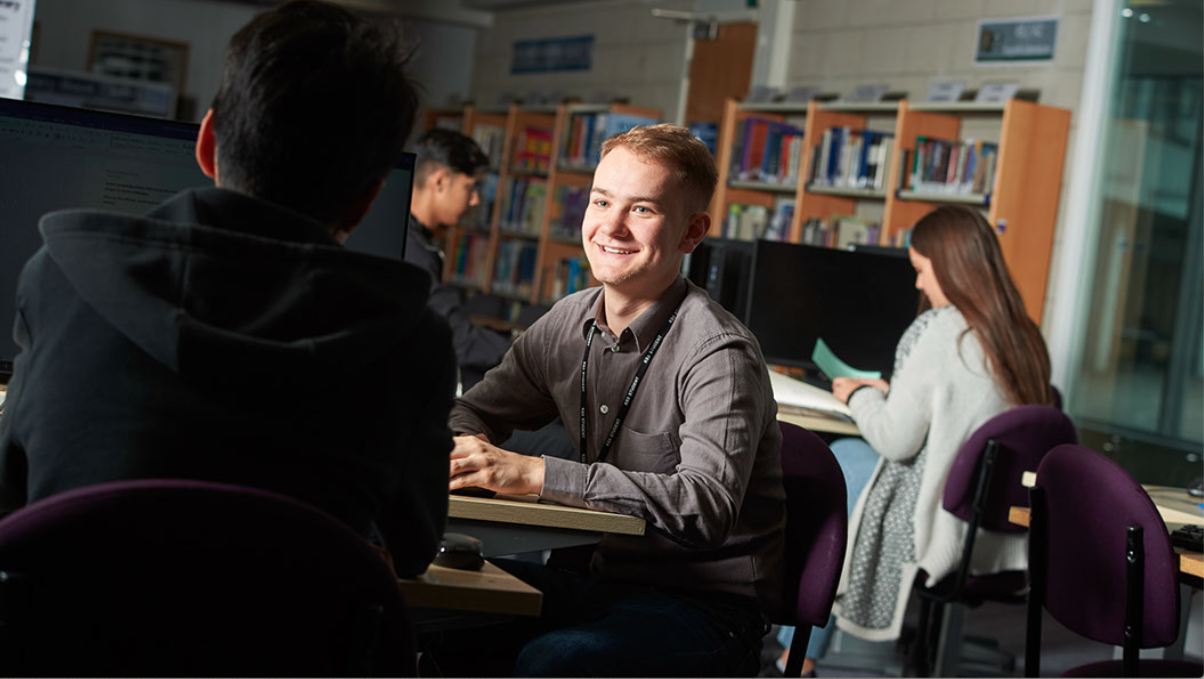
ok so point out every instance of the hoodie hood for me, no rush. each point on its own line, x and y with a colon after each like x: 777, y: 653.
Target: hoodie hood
x: 219, y: 286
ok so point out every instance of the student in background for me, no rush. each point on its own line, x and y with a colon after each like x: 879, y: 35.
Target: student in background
x: 697, y: 453
x: 446, y: 180
x: 971, y: 355
x: 447, y: 176
x: 227, y: 336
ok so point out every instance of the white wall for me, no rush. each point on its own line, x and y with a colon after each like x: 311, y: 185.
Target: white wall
x: 443, y: 64
x: 635, y: 55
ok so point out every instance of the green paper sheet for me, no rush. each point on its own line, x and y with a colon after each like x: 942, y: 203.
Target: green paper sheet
x: 833, y: 367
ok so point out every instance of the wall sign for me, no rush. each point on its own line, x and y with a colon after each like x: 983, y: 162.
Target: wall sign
x: 1008, y: 41
x: 16, y: 25
x: 553, y: 54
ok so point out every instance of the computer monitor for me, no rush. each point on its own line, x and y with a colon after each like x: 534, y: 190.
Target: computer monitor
x: 859, y: 303
x: 723, y: 268
x: 56, y: 157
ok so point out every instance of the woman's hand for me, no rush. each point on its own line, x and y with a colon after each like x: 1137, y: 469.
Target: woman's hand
x: 843, y: 387
x: 476, y: 462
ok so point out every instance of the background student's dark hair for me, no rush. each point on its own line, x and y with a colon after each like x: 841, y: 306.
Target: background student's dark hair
x: 314, y: 106
x: 970, y: 269
x: 448, y: 148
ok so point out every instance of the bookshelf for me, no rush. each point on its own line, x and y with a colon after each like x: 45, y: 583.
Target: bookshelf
x: 516, y: 242
x: 733, y: 189
x: 1021, y: 200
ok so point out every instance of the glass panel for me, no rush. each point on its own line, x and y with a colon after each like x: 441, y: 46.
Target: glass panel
x: 1142, y: 371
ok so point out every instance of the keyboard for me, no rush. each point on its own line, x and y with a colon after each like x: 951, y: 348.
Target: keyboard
x: 1190, y: 537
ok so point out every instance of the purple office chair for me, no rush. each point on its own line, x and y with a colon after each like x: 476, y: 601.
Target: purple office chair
x: 983, y: 483
x: 1101, y: 563
x: 817, y: 528
x: 170, y: 577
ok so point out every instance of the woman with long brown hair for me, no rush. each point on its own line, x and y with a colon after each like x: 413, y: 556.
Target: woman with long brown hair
x: 971, y: 353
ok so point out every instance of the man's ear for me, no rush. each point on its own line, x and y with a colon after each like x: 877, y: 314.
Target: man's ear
x: 342, y: 227
x: 696, y: 230
x: 206, y: 147
x: 439, y: 179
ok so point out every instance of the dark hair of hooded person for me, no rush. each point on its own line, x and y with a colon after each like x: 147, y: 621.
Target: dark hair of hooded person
x: 314, y: 107
x: 447, y: 148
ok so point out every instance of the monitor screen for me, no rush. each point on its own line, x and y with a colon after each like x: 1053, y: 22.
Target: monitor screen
x: 56, y: 158
x: 859, y: 303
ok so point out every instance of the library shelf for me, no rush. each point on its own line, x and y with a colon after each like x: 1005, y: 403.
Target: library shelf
x: 1021, y: 201
x: 731, y: 189
x: 873, y: 194
x: 763, y: 186
x: 958, y: 106
x: 860, y: 106
x: 979, y: 199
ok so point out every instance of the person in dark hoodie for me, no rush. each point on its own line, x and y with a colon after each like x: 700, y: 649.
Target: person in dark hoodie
x: 226, y: 335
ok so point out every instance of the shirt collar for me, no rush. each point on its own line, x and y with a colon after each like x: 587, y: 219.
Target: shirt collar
x: 417, y: 225
x: 644, y: 328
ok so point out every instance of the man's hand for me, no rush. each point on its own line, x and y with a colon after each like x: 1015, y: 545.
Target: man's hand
x: 843, y: 387
x: 476, y: 462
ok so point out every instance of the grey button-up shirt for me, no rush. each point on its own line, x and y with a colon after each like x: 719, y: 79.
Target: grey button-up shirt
x: 698, y: 455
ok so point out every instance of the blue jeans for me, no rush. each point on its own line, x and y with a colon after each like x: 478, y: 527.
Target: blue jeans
x: 857, y: 460
x: 590, y: 627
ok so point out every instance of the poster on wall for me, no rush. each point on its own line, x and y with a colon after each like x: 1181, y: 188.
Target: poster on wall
x: 16, y: 27
x: 1016, y: 41
x: 553, y: 54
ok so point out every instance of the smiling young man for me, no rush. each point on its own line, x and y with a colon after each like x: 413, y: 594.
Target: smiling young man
x: 667, y: 397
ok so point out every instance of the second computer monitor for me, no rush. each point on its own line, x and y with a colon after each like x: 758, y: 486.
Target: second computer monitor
x: 859, y: 303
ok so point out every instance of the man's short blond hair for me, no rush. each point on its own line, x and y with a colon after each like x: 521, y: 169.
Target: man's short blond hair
x: 689, y: 158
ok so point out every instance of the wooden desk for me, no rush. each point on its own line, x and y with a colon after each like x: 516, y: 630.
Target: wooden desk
x: 516, y: 524
x: 816, y: 421
x: 1190, y: 563
x: 489, y: 590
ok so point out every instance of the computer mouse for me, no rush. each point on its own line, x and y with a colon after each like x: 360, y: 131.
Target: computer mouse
x: 461, y: 551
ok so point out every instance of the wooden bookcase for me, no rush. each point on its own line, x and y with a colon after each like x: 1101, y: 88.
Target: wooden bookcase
x: 550, y: 247
x: 1022, y: 201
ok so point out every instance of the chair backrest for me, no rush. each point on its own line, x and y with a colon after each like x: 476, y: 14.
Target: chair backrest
x: 816, y: 527
x: 1022, y: 436
x: 1090, y: 503
x: 187, y: 578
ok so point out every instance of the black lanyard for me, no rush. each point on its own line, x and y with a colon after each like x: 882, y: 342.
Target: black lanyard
x: 635, y: 384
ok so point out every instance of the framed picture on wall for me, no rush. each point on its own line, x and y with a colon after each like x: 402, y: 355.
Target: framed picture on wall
x: 139, y: 58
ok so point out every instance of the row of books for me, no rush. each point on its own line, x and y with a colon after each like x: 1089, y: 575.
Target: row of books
x: 851, y: 159
x: 523, y: 209
x: 758, y: 222
x: 587, y: 131
x: 514, y: 270
x: 952, y: 167
x: 468, y: 261
x: 533, y: 150
x: 492, y: 140
x: 839, y: 232
x: 570, y: 275
x: 568, y: 212
x: 767, y: 151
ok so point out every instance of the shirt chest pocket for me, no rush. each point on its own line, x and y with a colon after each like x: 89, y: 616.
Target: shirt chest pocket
x: 654, y: 453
